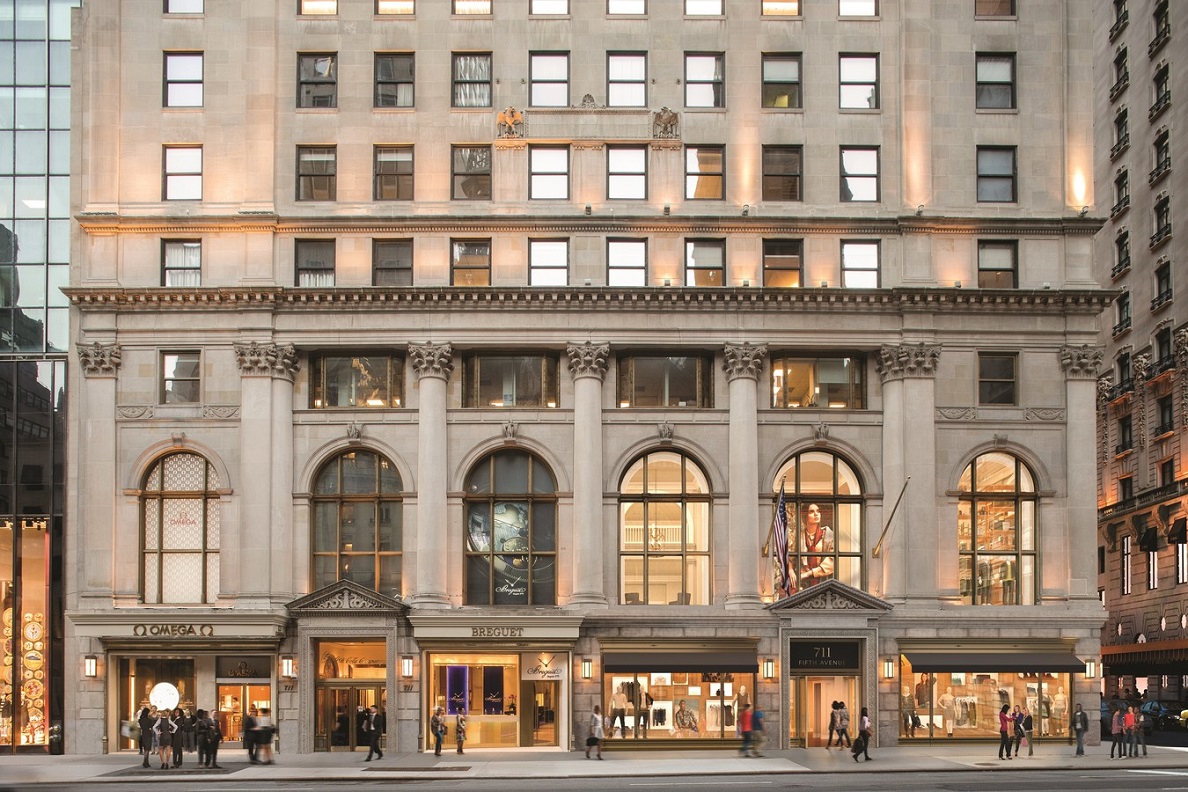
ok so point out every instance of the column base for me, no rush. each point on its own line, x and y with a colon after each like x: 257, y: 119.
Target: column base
x: 587, y: 599
x: 743, y: 602
x: 428, y: 601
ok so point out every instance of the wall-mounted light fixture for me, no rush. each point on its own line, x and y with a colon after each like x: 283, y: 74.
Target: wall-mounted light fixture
x: 888, y: 669
x: 587, y: 668
x: 406, y: 667
x: 668, y: 281
x: 1090, y: 669
x: 288, y: 666
x: 746, y: 282
x: 769, y: 669
x: 90, y: 666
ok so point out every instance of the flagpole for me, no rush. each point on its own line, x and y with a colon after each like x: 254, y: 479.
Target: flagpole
x: 771, y: 527
x: 878, y: 548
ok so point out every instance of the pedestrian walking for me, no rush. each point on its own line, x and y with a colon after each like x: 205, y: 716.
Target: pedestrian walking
x: 843, y: 725
x: 208, y: 733
x: 758, y: 731
x: 1140, y: 729
x: 1078, y: 726
x: 263, y: 740
x: 460, y: 728
x: 1128, y: 722
x: 437, y: 725
x: 597, y: 731
x: 374, y: 727
x: 145, y: 721
x: 179, y: 742
x: 1005, y: 728
x: 1117, y: 733
x: 832, y: 724
x: 744, y: 729
x: 248, y: 734
x: 862, y: 741
x: 1028, y: 726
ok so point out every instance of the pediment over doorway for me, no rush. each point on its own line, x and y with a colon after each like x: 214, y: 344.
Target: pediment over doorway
x: 830, y: 595
x: 346, y: 597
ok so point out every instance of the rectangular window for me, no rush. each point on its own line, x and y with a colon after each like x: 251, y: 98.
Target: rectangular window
x: 1121, y: 253
x: 1125, y: 564
x: 183, y: 6
x: 1125, y: 488
x: 181, y: 263
x: 858, y: 8
x: 317, y: 79
x: 996, y: 174
x: 627, y: 172
x: 501, y: 381
x: 997, y: 378
x: 1182, y: 563
x: 705, y: 79
x: 782, y: 263
x: 548, y: 172
x: 627, y: 7
x: 781, y: 80
x: 658, y: 381
x: 317, y: 173
x: 314, y: 263
x: 471, y: 173
x: 181, y: 377
x: 394, y: 82
x: 395, y: 7
x: 781, y: 7
x: 1121, y: 133
x: 704, y: 174
x: 470, y: 262
x: 994, y: 7
x: 317, y: 7
x: 1125, y: 434
x: 705, y: 262
x: 548, y: 79
x: 1164, y: 406
x: 998, y: 265
x: 472, y: 79
x: 548, y: 262
x: 782, y: 173
x: 182, y: 173
x: 1167, y: 472
x: 626, y: 262
x: 1152, y: 570
x: 1161, y: 156
x: 1163, y: 350
x: 626, y: 79
x: 549, y: 7
x: 391, y: 262
x: 364, y: 380
x: 183, y: 79
x: 1163, y: 284
x: 818, y: 383
x: 1101, y: 560
x: 704, y: 8
x: 480, y: 7
x: 859, y: 264
x: 1121, y: 192
x: 1162, y: 219
x: 393, y: 173
x: 858, y: 81
x: 995, y: 81
x: 859, y: 174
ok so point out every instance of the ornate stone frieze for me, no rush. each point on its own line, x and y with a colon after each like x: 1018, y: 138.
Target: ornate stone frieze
x: 223, y: 411
x: 1081, y: 362
x: 1105, y: 387
x: 99, y: 360
x: 907, y: 360
x: 344, y: 597
x: 1043, y: 414
x: 1181, y: 352
x: 830, y: 595
x: 588, y: 360
x: 666, y: 124
x: 135, y: 412
x: 956, y: 413
x: 744, y: 360
x: 432, y: 360
x: 260, y: 359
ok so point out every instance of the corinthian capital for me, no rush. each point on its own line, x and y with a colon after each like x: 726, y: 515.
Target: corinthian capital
x: 1081, y: 362
x: 587, y: 360
x: 99, y: 360
x: 744, y: 360
x: 432, y: 360
x: 273, y: 360
x: 907, y: 360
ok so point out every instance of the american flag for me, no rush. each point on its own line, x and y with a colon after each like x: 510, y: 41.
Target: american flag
x: 779, y: 547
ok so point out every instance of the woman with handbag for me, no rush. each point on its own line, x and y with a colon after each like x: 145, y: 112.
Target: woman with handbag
x: 437, y: 725
x: 460, y: 729
x: 865, y: 732
x: 597, y: 731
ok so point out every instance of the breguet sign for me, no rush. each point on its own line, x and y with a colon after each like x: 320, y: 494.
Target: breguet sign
x: 543, y: 666
x: 823, y: 656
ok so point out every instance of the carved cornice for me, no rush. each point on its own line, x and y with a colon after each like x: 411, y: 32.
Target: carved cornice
x: 744, y: 360
x: 1043, y: 414
x: 907, y: 360
x: 99, y: 360
x: 136, y: 412
x: 956, y: 413
x: 432, y: 360
x: 588, y: 360
x: 222, y: 411
x: 1081, y: 362
x: 271, y: 360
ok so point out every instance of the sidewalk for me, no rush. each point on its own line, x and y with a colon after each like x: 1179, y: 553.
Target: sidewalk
x: 540, y: 763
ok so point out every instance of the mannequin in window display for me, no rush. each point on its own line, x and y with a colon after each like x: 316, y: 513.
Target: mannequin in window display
x: 948, y: 705
x: 1059, y: 709
x: 908, y: 706
x: 619, y: 712
x: 817, y: 547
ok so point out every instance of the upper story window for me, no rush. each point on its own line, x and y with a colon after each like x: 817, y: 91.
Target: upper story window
x: 395, y: 7
x: 705, y: 79
x: 1163, y: 281
x: 317, y: 79
x: 626, y: 262
x: 1161, y: 85
x: 1121, y: 192
x: 1125, y: 434
x: 626, y: 79
x: 818, y: 382
x: 316, y: 7
x: 549, y: 7
x: 392, y: 262
x: 858, y: 81
x: 356, y: 381
x: 781, y: 7
x: 548, y: 262
x: 627, y: 172
x: 1126, y: 572
x: 181, y: 263
x: 314, y: 263
x: 782, y: 260
x: 782, y: 173
x: 181, y: 377
x: 490, y: 380
x: 1126, y: 490
x: 358, y: 522
x: 859, y: 264
x: 704, y: 8
x: 1162, y: 24
x: 665, y: 509
x: 183, y: 6
x: 1124, y: 317
x: 317, y: 173
x: 511, y: 531
x: 705, y: 262
x: 470, y: 262
x: 471, y: 173
x: 481, y: 7
x: 1125, y: 380
x: 548, y: 172
x: 781, y: 80
x: 1121, y: 73
x: 665, y: 381
x: 627, y: 7
x: 1166, y: 410
x: 997, y: 531
x: 1161, y: 155
x: 182, y: 177
x: 1163, y: 345
x: 1162, y: 218
x: 393, y: 173
x: 548, y: 79
x: 994, y: 7
x: 857, y: 8
x: 997, y: 378
x: 859, y: 173
x: 179, y: 507
x: 1121, y: 132
x: 705, y: 177
x: 996, y: 174
x: 998, y: 266
x: 472, y: 79
x: 1121, y: 252
x: 995, y: 80
x: 183, y: 79
x: 394, y: 79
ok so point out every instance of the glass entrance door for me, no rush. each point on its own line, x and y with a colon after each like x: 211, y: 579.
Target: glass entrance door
x: 810, y: 707
x: 339, y: 714
x: 544, y: 713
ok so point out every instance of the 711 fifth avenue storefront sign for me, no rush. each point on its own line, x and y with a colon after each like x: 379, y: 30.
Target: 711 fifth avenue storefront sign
x: 823, y: 655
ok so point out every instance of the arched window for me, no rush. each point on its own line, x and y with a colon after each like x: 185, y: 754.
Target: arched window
x: 996, y: 527
x: 358, y: 522
x: 511, y: 531
x: 664, y: 531
x: 179, y: 508
x: 824, y: 522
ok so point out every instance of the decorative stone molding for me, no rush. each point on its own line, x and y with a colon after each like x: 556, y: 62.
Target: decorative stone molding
x: 510, y: 123
x: 664, y: 432
x: 511, y: 144
x: 907, y: 360
x: 135, y: 413
x: 432, y: 360
x: 1000, y: 440
x: 956, y: 413
x: 273, y: 360
x: 1081, y: 362
x: 588, y: 360
x: 1105, y: 387
x: 584, y: 145
x: 99, y: 360
x: 744, y: 360
x: 345, y: 597
x: 821, y: 433
x: 223, y: 411
x: 1140, y: 366
x: 666, y: 124
x: 178, y: 439
x: 830, y: 594
x: 1043, y: 414
x: 509, y: 431
x: 354, y: 433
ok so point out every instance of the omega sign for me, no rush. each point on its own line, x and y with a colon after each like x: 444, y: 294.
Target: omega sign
x: 173, y: 630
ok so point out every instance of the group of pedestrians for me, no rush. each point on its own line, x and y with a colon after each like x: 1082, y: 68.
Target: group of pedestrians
x: 437, y: 725
x: 751, y: 729
x: 168, y: 735
x: 1128, y: 731
x: 1015, y: 726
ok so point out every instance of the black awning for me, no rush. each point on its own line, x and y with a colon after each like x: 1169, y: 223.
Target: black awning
x: 1021, y: 662
x: 741, y: 662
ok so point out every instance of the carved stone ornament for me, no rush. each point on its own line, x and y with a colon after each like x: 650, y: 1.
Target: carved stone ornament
x: 220, y: 411
x: 956, y: 413
x: 588, y: 101
x: 354, y: 432
x: 1140, y: 367
x: 907, y: 360
x: 830, y: 595
x: 1081, y: 362
x: 744, y: 360
x: 664, y: 432
x: 821, y: 431
x: 1105, y: 387
x: 1000, y: 440
x: 1181, y: 347
x: 588, y: 360
x: 509, y: 431
x: 344, y: 597
x: 99, y: 360
x: 276, y: 360
x: 432, y: 360
x: 135, y: 413
x: 1043, y: 414
x: 666, y: 124
x: 510, y: 123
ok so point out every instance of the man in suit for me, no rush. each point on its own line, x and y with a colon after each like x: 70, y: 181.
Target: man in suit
x: 248, y: 731
x: 374, y: 727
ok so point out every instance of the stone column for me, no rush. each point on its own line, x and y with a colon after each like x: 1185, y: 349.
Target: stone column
x: 909, y: 449
x: 433, y: 364
x: 743, y: 365
x: 587, y: 366
x: 1078, y: 543
x: 96, y: 449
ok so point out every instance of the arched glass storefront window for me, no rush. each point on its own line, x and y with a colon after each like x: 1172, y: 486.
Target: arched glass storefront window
x: 511, y: 531
x: 358, y: 523
x: 664, y: 531
x: 996, y: 531
x: 180, y: 519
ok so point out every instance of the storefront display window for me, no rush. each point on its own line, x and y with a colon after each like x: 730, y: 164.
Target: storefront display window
x: 244, y: 683
x: 484, y: 686
x: 683, y: 705
x: 24, y: 646
x: 138, y: 676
